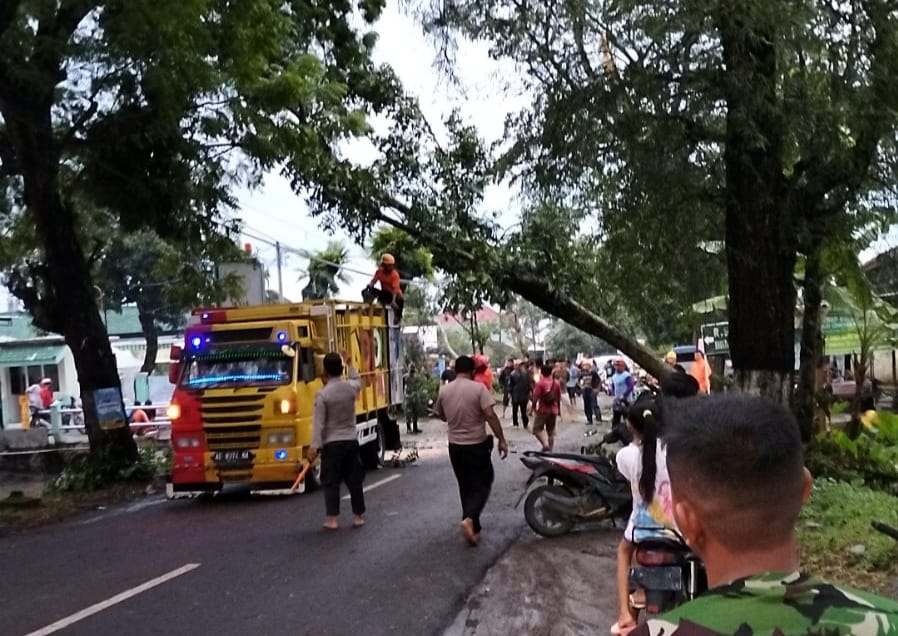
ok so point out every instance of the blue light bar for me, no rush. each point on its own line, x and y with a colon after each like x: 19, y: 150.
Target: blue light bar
x: 238, y: 377
x: 280, y: 454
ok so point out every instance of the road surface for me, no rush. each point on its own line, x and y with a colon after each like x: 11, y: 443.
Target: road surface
x: 241, y: 565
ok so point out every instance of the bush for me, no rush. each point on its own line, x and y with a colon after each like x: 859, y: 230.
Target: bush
x: 836, y: 538
x: 871, y: 459
x: 92, y: 471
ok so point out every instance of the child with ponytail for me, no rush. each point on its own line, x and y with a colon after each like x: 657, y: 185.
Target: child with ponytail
x: 643, y: 463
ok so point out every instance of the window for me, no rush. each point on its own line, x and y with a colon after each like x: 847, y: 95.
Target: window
x: 20, y: 378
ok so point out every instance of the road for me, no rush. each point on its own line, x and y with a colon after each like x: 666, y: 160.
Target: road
x: 242, y: 565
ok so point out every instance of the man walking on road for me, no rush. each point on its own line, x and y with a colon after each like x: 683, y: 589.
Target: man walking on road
x: 334, y: 437
x: 521, y: 390
x: 468, y: 407
x: 505, y: 383
x: 547, y: 406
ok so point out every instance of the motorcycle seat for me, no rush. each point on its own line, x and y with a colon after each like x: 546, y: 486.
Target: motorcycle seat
x: 596, y: 460
x: 662, y: 543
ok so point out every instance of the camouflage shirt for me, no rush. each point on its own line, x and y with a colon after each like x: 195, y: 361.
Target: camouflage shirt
x: 780, y: 604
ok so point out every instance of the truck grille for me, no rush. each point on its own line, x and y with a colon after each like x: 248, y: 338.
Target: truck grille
x: 232, y: 422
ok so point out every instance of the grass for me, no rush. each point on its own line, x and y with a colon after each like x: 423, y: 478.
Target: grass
x: 833, y: 526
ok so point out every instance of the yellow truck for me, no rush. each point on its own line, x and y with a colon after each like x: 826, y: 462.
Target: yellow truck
x: 245, y: 384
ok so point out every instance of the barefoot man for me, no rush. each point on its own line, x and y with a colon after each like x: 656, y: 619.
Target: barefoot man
x: 468, y: 407
x: 335, y: 438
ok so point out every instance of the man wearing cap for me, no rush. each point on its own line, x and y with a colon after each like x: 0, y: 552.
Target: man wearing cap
x: 390, y: 293
x: 46, y: 393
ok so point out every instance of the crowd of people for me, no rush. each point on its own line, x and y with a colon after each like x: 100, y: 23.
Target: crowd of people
x: 723, y: 472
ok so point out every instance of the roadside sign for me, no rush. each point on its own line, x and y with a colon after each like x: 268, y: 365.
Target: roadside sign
x: 110, y: 408
x: 716, y: 338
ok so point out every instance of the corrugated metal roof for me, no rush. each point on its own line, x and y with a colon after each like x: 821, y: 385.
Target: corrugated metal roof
x: 11, y: 356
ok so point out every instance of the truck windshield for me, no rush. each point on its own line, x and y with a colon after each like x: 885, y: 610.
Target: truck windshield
x: 242, y: 366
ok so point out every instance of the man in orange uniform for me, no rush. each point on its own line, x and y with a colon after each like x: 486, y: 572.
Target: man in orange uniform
x: 701, y: 371
x: 390, y: 292
x: 482, y: 372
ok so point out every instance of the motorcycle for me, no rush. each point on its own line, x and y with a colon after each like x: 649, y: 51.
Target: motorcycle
x: 668, y: 572
x: 573, y: 489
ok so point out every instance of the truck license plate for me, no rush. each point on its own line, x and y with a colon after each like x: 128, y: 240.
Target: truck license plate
x: 232, y: 457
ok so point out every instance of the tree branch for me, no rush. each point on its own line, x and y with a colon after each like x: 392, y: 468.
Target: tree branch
x: 533, y: 288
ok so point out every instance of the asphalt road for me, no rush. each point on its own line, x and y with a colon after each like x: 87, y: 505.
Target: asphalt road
x: 241, y: 565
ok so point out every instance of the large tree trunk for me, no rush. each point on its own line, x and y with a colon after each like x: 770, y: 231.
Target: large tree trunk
x: 760, y: 233
x: 151, y: 335
x: 805, y: 404
x: 67, y: 305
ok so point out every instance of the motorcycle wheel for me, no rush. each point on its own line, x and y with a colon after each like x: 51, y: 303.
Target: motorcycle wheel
x: 543, y: 521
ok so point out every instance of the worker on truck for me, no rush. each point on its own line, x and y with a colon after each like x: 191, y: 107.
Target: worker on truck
x: 390, y: 292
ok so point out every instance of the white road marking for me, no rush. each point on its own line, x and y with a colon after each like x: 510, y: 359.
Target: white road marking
x: 118, y: 598
x: 376, y: 484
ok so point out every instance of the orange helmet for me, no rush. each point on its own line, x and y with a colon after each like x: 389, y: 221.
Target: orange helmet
x: 387, y: 259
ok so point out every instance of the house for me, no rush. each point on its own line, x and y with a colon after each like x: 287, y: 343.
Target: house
x: 27, y: 355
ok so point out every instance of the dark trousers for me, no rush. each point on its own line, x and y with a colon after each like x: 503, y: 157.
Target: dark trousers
x: 591, y: 404
x: 386, y: 298
x: 341, y: 463
x: 515, y: 406
x: 411, y: 418
x: 473, y: 468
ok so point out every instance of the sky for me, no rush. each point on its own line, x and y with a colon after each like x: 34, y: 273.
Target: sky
x: 274, y: 212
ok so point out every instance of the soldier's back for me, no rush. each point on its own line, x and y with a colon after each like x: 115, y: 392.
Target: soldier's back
x: 781, y: 604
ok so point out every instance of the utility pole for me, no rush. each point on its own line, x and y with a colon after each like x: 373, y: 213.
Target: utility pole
x: 277, y: 247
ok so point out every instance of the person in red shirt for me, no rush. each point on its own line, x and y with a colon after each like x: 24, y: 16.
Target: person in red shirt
x: 547, y: 406
x: 390, y: 292
x: 46, y: 392
x: 483, y: 373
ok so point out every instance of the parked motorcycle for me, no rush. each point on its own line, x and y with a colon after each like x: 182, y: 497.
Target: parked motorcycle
x: 668, y: 572
x: 572, y: 489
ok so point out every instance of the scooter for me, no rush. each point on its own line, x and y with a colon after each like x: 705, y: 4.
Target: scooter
x: 667, y: 571
x: 573, y: 489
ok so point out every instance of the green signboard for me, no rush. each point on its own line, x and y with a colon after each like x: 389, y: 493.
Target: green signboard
x: 839, y: 331
x: 716, y: 336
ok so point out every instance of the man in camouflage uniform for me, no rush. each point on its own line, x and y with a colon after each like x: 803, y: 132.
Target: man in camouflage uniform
x: 415, y: 398
x: 738, y: 483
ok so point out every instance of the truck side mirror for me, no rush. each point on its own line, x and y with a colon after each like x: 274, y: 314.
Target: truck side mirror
x: 174, y: 369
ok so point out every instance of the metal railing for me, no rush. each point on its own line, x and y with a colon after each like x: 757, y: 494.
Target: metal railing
x: 61, y: 419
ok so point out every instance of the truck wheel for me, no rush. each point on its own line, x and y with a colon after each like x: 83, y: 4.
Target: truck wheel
x: 373, y: 452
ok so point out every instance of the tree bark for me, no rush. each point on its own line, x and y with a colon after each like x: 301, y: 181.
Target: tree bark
x: 67, y: 303
x: 761, y: 238
x: 151, y: 335
x: 805, y: 403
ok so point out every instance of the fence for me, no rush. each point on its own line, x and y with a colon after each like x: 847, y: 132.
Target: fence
x: 60, y: 419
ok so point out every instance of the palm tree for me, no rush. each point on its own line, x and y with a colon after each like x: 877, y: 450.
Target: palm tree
x: 325, y: 272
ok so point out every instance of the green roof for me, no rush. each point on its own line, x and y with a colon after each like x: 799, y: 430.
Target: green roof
x: 18, y: 326
x: 32, y: 354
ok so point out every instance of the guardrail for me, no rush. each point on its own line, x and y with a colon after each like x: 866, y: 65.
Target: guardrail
x: 61, y: 419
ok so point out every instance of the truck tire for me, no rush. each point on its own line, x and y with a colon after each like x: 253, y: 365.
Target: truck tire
x: 373, y: 452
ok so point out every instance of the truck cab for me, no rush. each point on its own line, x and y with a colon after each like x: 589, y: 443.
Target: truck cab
x: 245, y: 385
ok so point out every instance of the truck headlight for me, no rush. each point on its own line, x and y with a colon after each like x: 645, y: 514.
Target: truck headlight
x: 287, y: 407
x: 281, y: 438
x: 173, y: 411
